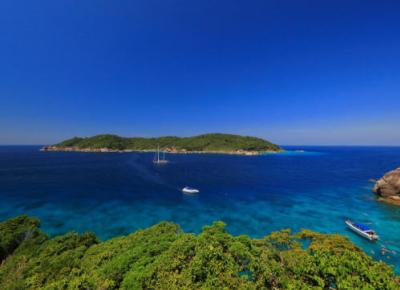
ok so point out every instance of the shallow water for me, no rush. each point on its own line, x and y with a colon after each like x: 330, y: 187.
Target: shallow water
x: 116, y: 193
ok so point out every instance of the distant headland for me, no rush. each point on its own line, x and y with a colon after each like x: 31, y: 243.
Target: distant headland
x: 206, y: 143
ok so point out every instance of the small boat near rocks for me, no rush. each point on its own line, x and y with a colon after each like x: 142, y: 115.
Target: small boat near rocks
x: 362, y: 230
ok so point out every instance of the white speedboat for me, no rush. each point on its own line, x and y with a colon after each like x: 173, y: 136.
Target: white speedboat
x: 188, y: 189
x: 362, y: 230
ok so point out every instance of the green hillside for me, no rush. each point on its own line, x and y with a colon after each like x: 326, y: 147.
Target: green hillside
x: 164, y: 257
x: 206, y: 142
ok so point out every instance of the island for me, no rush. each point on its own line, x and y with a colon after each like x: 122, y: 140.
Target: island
x: 388, y: 187
x: 206, y: 143
x: 165, y: 257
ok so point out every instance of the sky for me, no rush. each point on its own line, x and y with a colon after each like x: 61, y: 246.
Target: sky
x: 293, y: 72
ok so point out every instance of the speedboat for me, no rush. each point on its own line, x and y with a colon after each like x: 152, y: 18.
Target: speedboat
x: 188, y: 189
x: 362, y: 230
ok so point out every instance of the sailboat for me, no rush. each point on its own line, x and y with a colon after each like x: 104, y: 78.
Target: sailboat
x: 157, y: 159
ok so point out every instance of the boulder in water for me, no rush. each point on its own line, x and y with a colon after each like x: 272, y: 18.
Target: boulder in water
x: 388, y: 187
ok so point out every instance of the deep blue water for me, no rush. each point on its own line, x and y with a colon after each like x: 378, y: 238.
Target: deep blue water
x: 116, y: 193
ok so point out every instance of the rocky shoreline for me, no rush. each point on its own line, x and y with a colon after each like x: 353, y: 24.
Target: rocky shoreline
x: 387, y: 188
x: 167, y: 150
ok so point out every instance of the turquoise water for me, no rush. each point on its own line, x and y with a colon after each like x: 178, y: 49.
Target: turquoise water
x: 116, y: 193
x: 295, y: 153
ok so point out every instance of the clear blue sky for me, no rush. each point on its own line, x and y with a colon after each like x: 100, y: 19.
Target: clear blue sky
x: 294, y: 72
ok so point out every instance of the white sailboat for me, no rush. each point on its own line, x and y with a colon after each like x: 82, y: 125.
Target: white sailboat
x: 157, y: 159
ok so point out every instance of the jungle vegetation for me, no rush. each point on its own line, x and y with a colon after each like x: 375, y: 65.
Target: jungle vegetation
x: 165, y: 257
x: 206, y: 142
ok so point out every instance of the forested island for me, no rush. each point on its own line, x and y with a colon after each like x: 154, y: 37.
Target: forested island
x: 165, y: 257
x: 206, y: 143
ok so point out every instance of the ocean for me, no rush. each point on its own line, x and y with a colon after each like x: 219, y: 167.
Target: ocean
x: 115, y: 194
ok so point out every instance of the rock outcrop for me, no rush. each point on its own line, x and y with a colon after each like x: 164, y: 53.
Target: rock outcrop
x: 388, y: 187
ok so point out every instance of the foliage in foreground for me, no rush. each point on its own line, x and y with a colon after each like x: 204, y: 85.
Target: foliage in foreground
x: 164, y: 257
x: 206, y: 142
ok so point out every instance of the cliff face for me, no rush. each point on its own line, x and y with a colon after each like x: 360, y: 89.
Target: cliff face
x: 388, y: 187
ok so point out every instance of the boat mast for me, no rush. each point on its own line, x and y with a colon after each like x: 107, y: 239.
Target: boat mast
x: 158, y: 153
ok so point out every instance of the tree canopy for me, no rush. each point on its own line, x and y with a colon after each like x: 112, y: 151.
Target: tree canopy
x: 164, y: 257
x: 206, y: 142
